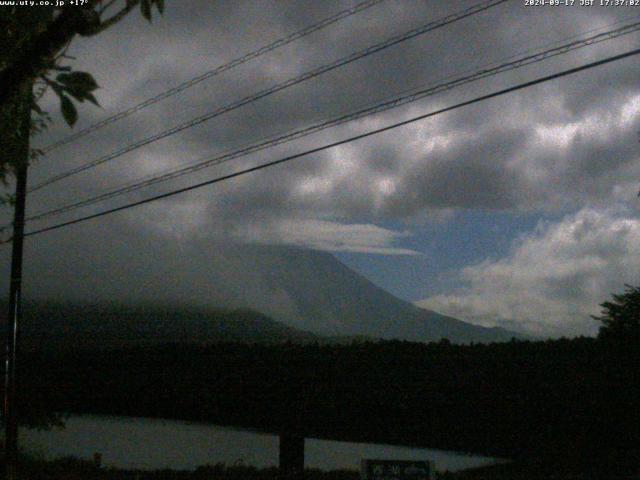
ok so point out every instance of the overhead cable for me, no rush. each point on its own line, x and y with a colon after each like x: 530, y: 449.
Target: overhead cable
x: 281, y: 42
x: 377, y: 108
x: 394, y: 40
x: 370, y: 133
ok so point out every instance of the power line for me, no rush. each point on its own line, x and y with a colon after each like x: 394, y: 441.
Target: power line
x: 289, y: 158
x: 376, y: 108
x: 394, y: 40
x: 278, y: 87
x: 216, y: 71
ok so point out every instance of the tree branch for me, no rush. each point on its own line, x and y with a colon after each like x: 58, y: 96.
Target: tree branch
x: 36, y: 57
x: 131, y: 4
x: 104, y: 8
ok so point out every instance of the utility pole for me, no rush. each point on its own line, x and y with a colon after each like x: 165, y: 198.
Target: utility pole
x: 14, y: 313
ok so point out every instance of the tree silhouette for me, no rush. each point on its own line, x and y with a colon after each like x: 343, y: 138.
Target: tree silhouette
x: 620, y: 317
x: 33, y: 42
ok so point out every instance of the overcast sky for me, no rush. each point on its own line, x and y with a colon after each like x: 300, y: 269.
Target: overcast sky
x: 519, y: 211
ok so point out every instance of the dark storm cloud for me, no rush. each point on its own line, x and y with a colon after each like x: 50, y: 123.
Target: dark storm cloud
x: 474, y: 173
x: 226, y: 29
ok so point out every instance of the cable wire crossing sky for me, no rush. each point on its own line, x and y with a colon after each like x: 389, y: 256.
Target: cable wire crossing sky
x: 380, y: 107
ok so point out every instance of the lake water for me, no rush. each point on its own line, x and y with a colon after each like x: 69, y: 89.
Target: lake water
x: 146, y: 443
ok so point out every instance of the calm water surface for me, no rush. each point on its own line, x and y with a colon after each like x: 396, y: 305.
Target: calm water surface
x: 154, y: 443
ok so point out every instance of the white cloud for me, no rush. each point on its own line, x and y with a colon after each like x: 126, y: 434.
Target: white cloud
x: 554, y: 277
x: 327, y: 235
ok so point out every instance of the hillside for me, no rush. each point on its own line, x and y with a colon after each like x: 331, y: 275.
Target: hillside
x: 325, y: 296
x: 108, y: 325
x: 304, y: 289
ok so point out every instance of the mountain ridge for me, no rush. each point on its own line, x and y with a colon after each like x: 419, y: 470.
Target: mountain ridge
x: 358, y: 306
x: 305, y: 289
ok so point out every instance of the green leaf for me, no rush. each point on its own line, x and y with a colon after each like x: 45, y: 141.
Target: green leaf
x: 77, y: 84
x: 69, y: 111
x: 81, y: 81
x: 160, y: 5
x: 145, y: 9
x: 75, y: 94
x: 56, y: 88
x: 92, y: 99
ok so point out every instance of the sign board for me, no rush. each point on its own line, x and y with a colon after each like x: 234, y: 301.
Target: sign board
x: 397, y: 470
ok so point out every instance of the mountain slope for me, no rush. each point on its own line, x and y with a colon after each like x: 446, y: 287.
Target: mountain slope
x: 105, y: 325
x: 305, y: 289
x: 325, y: 296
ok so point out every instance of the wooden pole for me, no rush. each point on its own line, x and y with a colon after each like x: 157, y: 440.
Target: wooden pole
x: 14, y: 315
x: 291, y: 455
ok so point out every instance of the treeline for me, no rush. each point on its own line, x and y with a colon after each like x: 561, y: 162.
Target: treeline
x: 577, y: 401
x: 94, y: 326
x: 72, y: 468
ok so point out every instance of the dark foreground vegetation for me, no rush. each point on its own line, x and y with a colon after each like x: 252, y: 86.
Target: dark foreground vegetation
x: 566, y: 406
x: 72, y: 469
x: 576, y: 402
